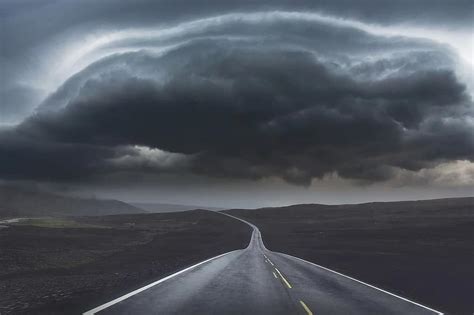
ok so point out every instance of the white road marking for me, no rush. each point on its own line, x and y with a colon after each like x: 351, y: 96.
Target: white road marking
x: 373, y: 287
x: 126, y: 296
x: 274, y: 274
x: 369, y: 285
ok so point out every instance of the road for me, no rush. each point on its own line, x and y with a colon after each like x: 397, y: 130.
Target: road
x: 256, y: 280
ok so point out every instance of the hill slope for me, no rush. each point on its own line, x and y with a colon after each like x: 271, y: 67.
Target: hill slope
x: 15, y: 202
x: 167, y: 207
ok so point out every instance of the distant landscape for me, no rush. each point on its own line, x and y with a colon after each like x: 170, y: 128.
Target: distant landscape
x: 21, y: 202
x: 18, y: 202
x: 167, y: 207
x: 65, y: 255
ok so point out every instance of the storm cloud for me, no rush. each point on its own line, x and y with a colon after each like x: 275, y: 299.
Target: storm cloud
x: 252, y: 96
x: 247, y: 96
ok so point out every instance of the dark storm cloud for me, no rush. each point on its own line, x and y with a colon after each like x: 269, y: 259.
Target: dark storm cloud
x: 245, y: 95
x: 26, y: 158
x: 27, y: 25
x: 32, y: 30
x: 243, y: 110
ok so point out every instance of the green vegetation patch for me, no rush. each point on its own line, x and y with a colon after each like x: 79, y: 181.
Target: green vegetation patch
x: 59, y: 223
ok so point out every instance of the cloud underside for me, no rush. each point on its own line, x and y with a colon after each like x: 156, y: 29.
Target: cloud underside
x: 293, y: 100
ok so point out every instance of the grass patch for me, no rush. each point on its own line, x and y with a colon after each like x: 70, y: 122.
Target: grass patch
x: 57, y: 223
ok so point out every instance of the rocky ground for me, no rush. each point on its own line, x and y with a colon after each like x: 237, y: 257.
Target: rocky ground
x: 70, y: 265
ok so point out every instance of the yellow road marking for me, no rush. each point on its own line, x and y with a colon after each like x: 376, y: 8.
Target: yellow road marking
x: 283, y: 278
x: 306, y: 308
x: 274, y: 274
x: 268, y: 260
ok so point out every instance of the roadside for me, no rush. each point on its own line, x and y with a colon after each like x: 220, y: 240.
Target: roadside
x: 66, y: 266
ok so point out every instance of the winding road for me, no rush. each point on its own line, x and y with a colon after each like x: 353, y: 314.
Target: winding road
x: 256, y: 280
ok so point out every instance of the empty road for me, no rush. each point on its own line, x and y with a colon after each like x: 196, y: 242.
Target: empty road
x: 256, y: 280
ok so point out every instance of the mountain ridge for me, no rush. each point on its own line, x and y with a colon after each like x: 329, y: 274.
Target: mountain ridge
x: 19, y: 202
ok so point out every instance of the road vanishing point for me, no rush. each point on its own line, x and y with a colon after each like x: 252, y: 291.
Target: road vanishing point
x: 256, y: 280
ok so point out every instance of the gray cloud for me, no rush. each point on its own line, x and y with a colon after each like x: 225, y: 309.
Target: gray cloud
x: 251, y: 111
x: 246, y: 96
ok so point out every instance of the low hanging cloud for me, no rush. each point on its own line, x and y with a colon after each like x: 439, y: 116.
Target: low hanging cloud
x: 253, y: 99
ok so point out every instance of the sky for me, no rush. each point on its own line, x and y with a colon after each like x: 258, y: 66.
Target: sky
x: 238, y: 103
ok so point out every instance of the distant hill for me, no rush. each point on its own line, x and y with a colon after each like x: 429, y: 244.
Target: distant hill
x: 165, y: 207
x: 18, y: 202
x: 409, y: 208
x: 367, y: 215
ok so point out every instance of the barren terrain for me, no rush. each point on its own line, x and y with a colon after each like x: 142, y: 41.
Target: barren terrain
x: 70, y: 265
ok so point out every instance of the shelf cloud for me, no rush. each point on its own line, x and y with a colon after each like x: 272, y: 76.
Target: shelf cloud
x: 241, y: 94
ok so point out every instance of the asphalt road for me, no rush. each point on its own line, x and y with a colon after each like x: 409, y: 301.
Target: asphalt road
x: 255, y: 280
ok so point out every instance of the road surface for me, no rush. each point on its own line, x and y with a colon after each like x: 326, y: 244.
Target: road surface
x: 256, y: 280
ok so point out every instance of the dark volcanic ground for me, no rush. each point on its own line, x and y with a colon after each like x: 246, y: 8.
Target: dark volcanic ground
x: 67, y: 266
x: 421, y: 250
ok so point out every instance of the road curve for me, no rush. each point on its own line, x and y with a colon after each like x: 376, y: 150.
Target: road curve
x: 256, y: 280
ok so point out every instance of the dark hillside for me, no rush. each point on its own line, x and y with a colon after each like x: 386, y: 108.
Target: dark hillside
x: 16, y: 202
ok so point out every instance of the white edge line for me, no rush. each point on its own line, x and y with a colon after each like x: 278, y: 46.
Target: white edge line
x: 369, y: 285
x: 126, y: 296
x: 308, y: 262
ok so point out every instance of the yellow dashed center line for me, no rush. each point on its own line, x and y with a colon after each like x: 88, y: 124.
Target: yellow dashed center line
x: 303, y: 304
x: 283, y: 278
x: 306, y: 308
x: 268, y: 260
